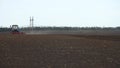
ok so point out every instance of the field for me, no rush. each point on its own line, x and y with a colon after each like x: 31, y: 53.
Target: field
x: 59, y: 51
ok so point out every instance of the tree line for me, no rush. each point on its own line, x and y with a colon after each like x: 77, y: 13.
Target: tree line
x: 5, y: 29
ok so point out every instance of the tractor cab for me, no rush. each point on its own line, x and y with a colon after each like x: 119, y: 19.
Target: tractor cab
x: 15, y: 29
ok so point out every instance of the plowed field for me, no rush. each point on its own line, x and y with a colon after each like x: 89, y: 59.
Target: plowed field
x: 59, y: 51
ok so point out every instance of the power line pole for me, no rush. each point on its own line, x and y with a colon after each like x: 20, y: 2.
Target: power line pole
x: 31, y: 23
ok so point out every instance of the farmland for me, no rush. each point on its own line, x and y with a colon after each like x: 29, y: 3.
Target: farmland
x: 59, y: 51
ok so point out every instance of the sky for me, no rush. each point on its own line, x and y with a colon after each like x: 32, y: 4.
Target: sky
x: 74, y: 13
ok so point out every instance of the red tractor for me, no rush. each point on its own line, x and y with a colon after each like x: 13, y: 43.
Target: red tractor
x: 15, y: 30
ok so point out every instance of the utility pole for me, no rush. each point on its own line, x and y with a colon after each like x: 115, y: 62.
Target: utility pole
x: 31, y: 23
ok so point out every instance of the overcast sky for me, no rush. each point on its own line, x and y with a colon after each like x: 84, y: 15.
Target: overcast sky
x: 60, y: 12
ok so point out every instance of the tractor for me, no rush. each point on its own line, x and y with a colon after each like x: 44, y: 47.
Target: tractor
x: 15, y: 30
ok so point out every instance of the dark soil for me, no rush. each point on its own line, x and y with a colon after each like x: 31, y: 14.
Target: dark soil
x: 59, y: 51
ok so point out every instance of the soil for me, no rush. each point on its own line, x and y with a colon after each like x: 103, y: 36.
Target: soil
x: 59, y: 51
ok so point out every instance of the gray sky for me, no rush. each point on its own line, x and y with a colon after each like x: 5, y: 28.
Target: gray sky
x: 60, y: 12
